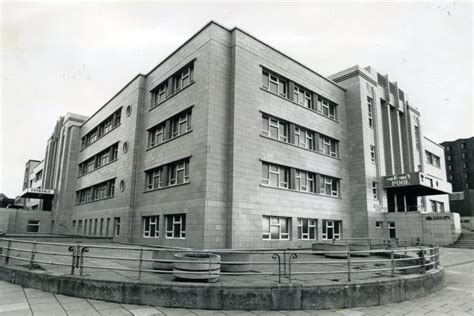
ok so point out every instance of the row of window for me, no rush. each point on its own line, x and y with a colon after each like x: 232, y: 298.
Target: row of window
x: 96, y: 227
x: 290, y: 178
x: 167, y: 175
x: 279, y: 228
x: 103, y: 128
x: 285, y: 88
x: 96, y: 192
x: 463, y: 155
x: 302, y: 137
x: 463, y: 146
x: 101, y: 159
x: 432, y: 159
x: 175, y: 226
x: 370, y: 110
x: 169, y: 129
x: 178, y: 81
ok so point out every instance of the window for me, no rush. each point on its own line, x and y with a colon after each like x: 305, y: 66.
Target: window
x: 432, y: 159
x: 274, y: 128
x: 116, y: 226
x: 448, y: 148
x: 101, y: 226
x: 327, y: 108
x: 275, y: 175
x: 79, y: 227
x: 374, y: 190
x: 464, y: 165
x: 373, y: 156
x: 449, y: 157
x: 329, y: 186
x: 151, y: 226
x: 450, y: 177
x: 73, y: 225
x: 370, y: 111
x: 178, y: 173
x: 303, y: 97
x: 332, y: 229
x: 328, y: 146
x: 101, y: 159
x: 307, y: 228
x: 463, y: 145
x: 95, y: 227
x: 176, y: 226
x: 304, y: 181
x: 464, y: 155
x: 378, y: 225
x: 177, y: 125
x: 274, y: 84
x: 172, y: 85
x: 96, y: 192
x: 102, y: 129
x: 276, y: 228
x: 32, y: 226
x: 450, y: 167
x: 39, y: 175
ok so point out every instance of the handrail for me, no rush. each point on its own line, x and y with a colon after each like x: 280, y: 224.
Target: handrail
x: 284, y: 262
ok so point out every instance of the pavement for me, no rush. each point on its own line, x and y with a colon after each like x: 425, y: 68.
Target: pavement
x: 456, y: 298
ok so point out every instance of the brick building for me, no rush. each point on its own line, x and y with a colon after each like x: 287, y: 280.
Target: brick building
x: 228, y: 143
x: 460, y: 163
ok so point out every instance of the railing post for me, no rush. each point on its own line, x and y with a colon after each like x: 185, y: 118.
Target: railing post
x: 7, y: 255
x: 32, y: 257
x: 140, y: 264
x: 392, y: 261
x: 210, y: 262
x: 81, y: 259
x: 292, y: 256
x: 73, y: 263
x: 277, y: 256
x: 422, y: 256
x: 348, y: 265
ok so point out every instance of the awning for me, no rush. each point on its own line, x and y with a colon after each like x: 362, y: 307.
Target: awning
x: 37, y: 194
x: 417, y: 183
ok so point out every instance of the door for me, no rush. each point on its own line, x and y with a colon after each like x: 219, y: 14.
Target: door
x: 391, y: 230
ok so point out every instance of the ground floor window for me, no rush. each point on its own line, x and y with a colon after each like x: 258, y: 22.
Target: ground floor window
x: 176, y: 226
x: 307, y: 228
x: 391, y: 230
x: 32, y: 226
x: 332, y: 229
x: 151, y: 226
x: 276, y: 227
x: 79, y: 226
x: 378, y: 224
x: 117, y: 226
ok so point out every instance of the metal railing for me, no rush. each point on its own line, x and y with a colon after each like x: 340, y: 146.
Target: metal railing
x: 380, y: 256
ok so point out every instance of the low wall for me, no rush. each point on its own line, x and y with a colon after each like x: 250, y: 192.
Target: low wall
x: 15, y: 220
x: 228, y: 297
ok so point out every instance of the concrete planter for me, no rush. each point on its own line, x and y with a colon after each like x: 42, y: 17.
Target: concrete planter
x: 321, y: 246
x: 197, y: 266
x: 327, y: 247
x: 163, y: 255
x: 365, y: 250
x: 235, y: 257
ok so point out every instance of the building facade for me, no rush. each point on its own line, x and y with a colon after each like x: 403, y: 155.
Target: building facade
x: 228, y: 143
x: 460, y: 163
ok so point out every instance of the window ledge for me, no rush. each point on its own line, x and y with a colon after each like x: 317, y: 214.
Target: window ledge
x: 170, y: 186
x: 172, y: 95
x: 84, y: 174
x: 312, y: 151
x: 286, y: 99
x: 304, y: 192
x: 107, y: 198
x: 168, y: 140
x: 98, y: 138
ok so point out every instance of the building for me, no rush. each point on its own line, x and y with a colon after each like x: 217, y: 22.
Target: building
x: 228, y: 143
x: 32, y: 182
x: 5, y: 201
x: 460, y: 163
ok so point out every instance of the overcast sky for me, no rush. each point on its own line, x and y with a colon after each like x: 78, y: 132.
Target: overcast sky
x: 73, y: 57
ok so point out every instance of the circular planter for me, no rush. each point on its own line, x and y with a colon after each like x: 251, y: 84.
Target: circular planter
x: 362, y: 250
x: 335, y: 247
x: 163, y: 255
x: 245, y: 258
x: 197, y: 266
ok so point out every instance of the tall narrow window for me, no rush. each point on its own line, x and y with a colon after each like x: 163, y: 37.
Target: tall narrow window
x: 375, y: 190
x: 370, y: 111
x: 116, y: 226
x: 151, y: 226
x: 373, y: 156
x: 332, y: 229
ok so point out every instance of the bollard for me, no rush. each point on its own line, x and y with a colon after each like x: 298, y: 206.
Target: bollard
x: 392, y: 259
x: 140, y: 264
x: 7, y: 255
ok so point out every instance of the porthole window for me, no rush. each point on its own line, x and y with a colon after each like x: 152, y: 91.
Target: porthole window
x: 122, y: 186
x: 128, y: 111
x: 125, y: 147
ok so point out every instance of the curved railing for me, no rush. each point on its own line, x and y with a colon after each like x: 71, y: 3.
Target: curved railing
x: 380, y: 256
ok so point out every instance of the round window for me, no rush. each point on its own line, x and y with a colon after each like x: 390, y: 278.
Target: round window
x: 128, y: 111
x: 125, y: 147
x: 122, y: 186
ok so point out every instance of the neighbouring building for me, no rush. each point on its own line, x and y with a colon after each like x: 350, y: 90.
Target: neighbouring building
x: 460, y: 163
x: 5, y: 201
x: 229, y: 143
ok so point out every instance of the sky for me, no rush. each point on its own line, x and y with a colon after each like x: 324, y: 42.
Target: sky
x: 72, y: 56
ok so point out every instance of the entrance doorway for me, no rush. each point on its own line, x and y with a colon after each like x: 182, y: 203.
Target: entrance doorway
x: 391, y: 230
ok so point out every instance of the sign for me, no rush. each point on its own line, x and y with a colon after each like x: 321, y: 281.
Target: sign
x: 437, y: 218
x: 401, y: 180
x: 39, y: 190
